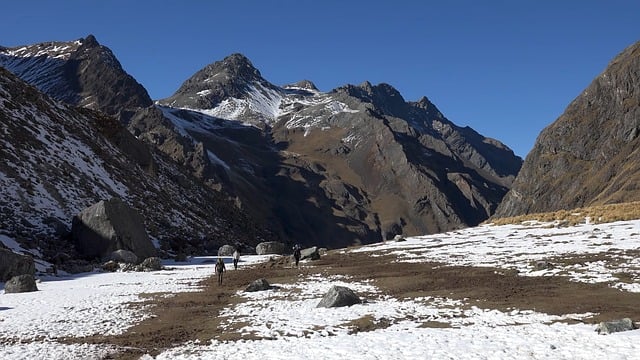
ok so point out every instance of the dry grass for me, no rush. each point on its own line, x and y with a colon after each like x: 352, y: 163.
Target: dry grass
x: 597, y: 214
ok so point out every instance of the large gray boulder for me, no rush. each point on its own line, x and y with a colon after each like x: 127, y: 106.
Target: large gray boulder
x: 311, y: 253
x: 12, y: 264
x: 339, y: 296
x: 20, y: 284
x: 111, y: 225
x: 226, y: 250
x: 270, y: 247
x: 608, y: 327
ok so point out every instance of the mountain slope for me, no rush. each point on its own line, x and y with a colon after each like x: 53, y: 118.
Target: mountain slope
x: 356, y: 164
x: 591, y: 154
x: 57, y: 160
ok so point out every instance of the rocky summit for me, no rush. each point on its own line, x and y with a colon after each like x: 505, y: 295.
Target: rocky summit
x: 232, y: 157
x: 589, y: 155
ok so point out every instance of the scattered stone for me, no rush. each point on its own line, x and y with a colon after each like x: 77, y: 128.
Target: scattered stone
x: 110, y: 266
x: 399, y: 238
x: 258, y: 285
x: 608, y: 327
x: 339, y: 296
x: 270, y: 247
x: 543, y: 265
x: 20, y: 284
x: 12, y: 264
x: 77, y: 266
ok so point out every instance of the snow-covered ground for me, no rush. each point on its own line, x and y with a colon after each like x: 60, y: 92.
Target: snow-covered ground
x: 94, y: 303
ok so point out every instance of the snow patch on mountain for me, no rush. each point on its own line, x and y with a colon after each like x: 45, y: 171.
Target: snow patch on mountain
x: 268, y: 104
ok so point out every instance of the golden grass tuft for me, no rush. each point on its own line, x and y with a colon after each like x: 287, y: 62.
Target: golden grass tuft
x: 597, y: 214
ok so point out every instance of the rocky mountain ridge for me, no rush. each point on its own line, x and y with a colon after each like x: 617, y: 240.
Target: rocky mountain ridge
x: 57, y: 160
x: 356, y: 164
x: 363, y: 147
x: 591, y: 154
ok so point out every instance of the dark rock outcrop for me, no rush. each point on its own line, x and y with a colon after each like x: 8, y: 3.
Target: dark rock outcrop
x: 589, y: 155
x: 20, y: 284
x: 108, y: 226
x: 339, y: 296
x: 12, y: 264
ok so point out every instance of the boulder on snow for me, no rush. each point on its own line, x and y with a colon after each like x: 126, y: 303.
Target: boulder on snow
x: 12, y: 264
x: 311, y: 253
x: 608, y: 327
x: 226, y: 250
x: 339, y: 296
x: 270, y: 247
x: 258, y: 285
x: 108, y: 226
x: 20, y: 284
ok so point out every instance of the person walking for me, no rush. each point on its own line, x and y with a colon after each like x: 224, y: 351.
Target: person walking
x: 296, y: 253
x: 220, y: 269
x: 236, y: 258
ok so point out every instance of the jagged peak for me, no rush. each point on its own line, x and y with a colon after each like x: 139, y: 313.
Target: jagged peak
x: 424, y: 101
x: 237, y: 65
x: 90, y: 40
x: 302, y: 84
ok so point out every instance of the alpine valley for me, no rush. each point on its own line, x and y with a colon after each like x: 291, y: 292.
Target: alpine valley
x: 230, y: 157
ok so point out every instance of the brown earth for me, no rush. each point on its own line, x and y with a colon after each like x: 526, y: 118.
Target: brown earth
x: 194, y: 316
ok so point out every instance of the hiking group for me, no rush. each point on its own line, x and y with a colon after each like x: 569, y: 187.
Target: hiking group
x: 220, y: 268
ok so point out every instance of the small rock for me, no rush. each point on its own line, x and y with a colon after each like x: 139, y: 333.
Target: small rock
x: 258, y: 285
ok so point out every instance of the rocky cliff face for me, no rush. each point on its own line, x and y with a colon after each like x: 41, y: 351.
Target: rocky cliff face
x: 57, y: 160
x: 591, y: 154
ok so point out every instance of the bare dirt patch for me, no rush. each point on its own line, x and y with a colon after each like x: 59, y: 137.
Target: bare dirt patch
x: 195, y: 316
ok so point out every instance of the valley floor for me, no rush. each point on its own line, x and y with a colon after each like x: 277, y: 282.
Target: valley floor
x: 492, y: 292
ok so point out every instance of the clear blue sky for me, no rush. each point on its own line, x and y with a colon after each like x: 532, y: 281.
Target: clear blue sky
x: 505, y: 68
